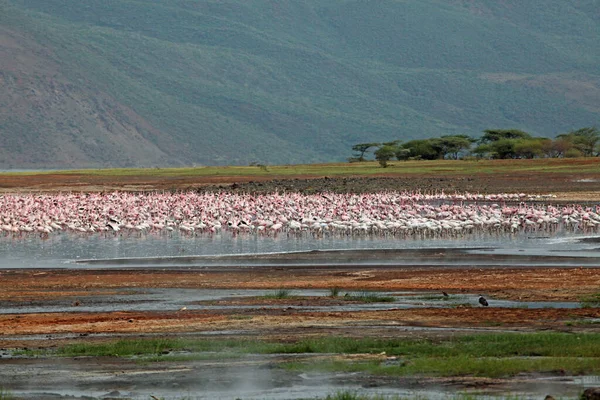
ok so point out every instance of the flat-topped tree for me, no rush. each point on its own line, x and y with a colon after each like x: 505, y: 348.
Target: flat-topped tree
x: 452, y: 145
x: 362, y: 148
x: 426, y: 149
x: 531, y: 148
x: 494, y: 135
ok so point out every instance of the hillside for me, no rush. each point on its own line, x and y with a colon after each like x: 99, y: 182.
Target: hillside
x: 155, y: 83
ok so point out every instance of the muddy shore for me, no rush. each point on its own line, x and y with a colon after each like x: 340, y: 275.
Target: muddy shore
x: 566, y: 187
x: 75, y: 289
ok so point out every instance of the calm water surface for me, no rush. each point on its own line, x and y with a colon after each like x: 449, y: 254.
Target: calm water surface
x: 58, y: 250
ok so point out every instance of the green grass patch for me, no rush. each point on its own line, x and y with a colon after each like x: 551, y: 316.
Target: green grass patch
x: 591, y: 301
x: 121, y: 348
x: 459, y: 366
x: 160, y: 347
x: 582, y: 322
x: 369, y: 297
x: 279, y: 294
x: 489, y: 345
x: 474, y: 355
x: 490, y: 355
x: 30, y: 352
x: 6, y: 395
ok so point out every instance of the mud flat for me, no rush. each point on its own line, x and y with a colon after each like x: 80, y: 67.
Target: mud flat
x: 45, y: 309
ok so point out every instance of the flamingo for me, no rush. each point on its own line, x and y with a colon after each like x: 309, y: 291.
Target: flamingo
x: 375, y: 214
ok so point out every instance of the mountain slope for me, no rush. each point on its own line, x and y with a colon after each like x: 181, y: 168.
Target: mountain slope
x: 149, y: 82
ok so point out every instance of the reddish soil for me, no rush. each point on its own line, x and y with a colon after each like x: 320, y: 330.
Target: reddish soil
x: 540, y: 284
x: 272, y: 320
x: 533, y: 284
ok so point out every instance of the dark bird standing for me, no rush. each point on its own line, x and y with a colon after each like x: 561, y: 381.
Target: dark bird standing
x: 483, y: 301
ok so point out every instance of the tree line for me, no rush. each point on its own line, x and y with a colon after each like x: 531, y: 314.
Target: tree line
x: 493, y: 144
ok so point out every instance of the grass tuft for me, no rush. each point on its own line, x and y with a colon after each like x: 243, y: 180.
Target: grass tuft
x: 349, y: 395
x: 5, y: 395
x: 369, y: 297
x: 486, y: 355
x: 279, y: 294
x: 591, y: 301
x: 121, y: 348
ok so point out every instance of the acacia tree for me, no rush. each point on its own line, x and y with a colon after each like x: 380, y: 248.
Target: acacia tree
x: 384, y: 154
x: 557, y: 148
x: 427, y: 149
x: 482, y: 151
x: 530, y: 148
x: 452, y: 145
x: 362, y: 148
x: 402, y: 153
x: 494, y: 143
x: 494, y: 135
x: 503, y: 148
x: 500, y: 143
x: 585, y: 140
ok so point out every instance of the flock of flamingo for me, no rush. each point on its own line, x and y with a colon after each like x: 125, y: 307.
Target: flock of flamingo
x: 385, y: 213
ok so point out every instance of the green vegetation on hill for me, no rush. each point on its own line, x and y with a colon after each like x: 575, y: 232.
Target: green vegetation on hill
x: 232, y: 82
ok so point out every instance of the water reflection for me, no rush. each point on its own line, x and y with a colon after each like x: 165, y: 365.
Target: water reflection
x: 56, y: 250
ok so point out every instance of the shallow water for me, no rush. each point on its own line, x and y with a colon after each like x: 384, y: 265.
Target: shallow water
x: 173, y: 299
x: 60, y: 250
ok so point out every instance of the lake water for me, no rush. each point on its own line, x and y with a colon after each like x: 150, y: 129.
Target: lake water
x: 59, y: 250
